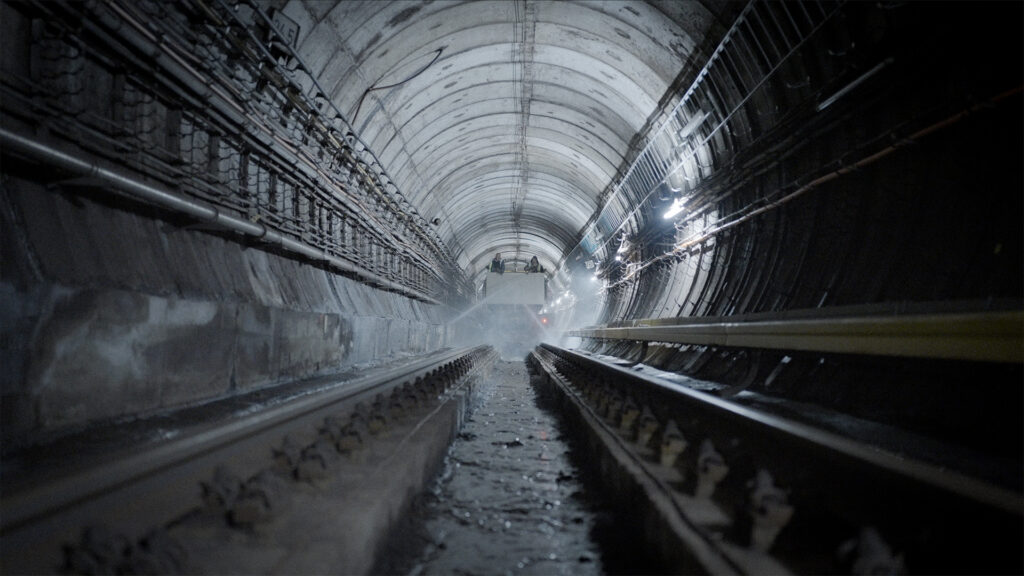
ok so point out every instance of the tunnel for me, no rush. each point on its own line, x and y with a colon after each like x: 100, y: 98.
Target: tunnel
x: 790, y: 204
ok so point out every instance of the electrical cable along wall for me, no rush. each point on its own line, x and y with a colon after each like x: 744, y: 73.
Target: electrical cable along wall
x: 872, y: 173
x: 183, y: 216
x: 856, y: 157
x: 210, y: 101
x: 721, y: 113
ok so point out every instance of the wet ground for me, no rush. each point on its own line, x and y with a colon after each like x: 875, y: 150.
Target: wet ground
x: 509, y: 500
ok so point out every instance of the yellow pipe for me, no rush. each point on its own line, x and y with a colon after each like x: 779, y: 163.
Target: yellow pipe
x: 982, y: 336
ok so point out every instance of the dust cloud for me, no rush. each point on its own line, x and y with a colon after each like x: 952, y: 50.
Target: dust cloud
x: 516, y: 329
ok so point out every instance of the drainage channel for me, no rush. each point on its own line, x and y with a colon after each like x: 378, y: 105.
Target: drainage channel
x: 511, y: 498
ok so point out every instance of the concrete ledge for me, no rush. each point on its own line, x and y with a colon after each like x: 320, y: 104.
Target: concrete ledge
x: 107, y: 310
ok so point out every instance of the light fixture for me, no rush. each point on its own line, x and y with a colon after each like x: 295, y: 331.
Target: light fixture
x: 618, y: 258
x: 675, y: 208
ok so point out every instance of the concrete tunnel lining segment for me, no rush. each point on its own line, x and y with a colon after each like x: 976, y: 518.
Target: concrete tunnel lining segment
x: 480, y: 37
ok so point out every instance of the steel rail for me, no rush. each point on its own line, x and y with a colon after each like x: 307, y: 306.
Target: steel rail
x: 140, y: 490
x: 124, y: 183
x: 946, y: 480
x: 980, y: 336
x: 168, y: 458
x: 703, y: 550
x: 835, y: 483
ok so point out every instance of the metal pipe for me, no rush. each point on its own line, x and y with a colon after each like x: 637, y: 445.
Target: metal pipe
x: 842, y: 448
x: 857, y: 82
x: 765, y: 206
x: 418, y: 222
x: 983, y: 336
x: 126, y: 184
x: 160, y: 479
x: 182, y: 72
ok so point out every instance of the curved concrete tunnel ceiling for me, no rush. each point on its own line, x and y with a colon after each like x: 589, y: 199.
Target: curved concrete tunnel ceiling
x: 505, y: 120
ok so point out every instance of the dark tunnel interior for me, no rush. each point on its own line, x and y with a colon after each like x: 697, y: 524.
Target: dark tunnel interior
x: 207, y: 198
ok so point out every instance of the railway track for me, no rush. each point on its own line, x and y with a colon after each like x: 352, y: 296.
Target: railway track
x: 114, y: 514
x: 721, y: 488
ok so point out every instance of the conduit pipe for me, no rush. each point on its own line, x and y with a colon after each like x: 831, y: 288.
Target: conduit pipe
x: 16, y: 143
x: 978, y: 336
x: 438, y: 248
x: 849, y: 168
x: 141, y: 39
x: 846, y: 168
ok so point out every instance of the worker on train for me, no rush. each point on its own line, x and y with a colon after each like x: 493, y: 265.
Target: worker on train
x: 534, y: 266
x: 497, y: 264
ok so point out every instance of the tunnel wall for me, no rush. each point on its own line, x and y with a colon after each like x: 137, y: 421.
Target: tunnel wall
x: 936, y: 221
x: 910, y: 201
x: 110, y: 309
x: 936, y: 218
